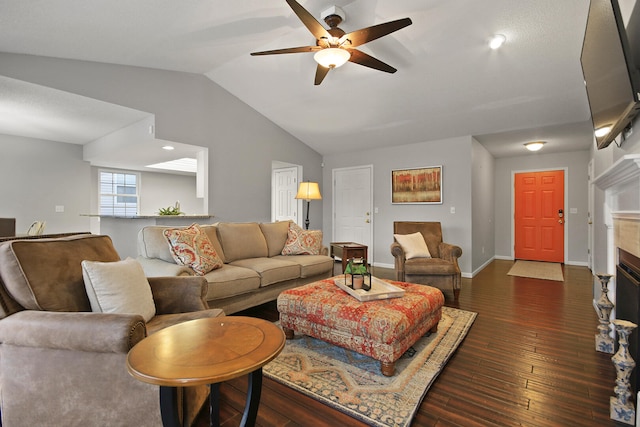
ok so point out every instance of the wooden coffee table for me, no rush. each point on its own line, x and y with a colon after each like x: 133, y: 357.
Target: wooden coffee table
x: 206, y: 351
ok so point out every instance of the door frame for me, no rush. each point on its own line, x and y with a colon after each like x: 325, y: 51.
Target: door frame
x: 513, y: 207
x: 333, y: 204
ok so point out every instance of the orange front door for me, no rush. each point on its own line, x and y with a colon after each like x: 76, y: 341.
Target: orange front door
x: 539, y: 216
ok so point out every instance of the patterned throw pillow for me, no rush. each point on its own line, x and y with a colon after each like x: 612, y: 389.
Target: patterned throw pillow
x: 302, y: 242
x: 191, y: 247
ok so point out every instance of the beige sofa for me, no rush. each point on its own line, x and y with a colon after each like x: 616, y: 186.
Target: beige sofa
x: 254, y: 271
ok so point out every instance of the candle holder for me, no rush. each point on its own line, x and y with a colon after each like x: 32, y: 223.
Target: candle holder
x: 604, y: 340
x: 620, y: 408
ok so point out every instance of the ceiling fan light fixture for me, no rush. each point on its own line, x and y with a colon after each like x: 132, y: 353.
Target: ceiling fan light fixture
x: 332, y: 57
x: 534, y: 146
x: 602, y: 131
x: 497, y: 41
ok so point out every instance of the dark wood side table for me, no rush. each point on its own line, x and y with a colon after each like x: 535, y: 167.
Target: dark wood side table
x: 346, y: 250
x: 207, y: 351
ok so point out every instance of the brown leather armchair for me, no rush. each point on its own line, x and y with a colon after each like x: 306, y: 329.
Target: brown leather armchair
x: 63, y: 364
x: 441, y: 270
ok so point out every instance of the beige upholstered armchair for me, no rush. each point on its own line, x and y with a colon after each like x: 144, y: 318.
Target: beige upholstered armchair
x: 64, y: 364
x: 440, y: 270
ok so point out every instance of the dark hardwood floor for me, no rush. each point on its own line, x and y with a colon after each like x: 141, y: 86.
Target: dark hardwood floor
x: 528, y: 360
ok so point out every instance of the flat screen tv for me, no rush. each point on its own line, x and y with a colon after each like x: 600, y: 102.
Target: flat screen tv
x: 609, y: 58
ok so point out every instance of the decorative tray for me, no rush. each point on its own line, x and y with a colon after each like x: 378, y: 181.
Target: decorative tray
x: 379, y: 289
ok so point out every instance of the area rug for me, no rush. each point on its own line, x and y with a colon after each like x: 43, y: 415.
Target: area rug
x: 537, y: 270
x: 352, y: 383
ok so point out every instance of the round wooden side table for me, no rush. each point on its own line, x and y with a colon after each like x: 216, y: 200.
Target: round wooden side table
x: 207, y: 351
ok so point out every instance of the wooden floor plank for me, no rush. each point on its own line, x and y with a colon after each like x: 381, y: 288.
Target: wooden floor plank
x: 528, y: 360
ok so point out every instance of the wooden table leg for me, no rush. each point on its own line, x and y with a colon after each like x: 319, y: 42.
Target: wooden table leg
x: 169, y: 406
x: 214, y: 405
x: 253, y: 398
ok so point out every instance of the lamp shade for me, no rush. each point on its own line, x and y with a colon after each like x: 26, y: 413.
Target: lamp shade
x: 332, y: 57
x: 309, y: 191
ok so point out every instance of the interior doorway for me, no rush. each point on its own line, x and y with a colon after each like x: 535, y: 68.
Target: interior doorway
x: 284, y: 183
x: 353, y: 206
x: 539, y: 218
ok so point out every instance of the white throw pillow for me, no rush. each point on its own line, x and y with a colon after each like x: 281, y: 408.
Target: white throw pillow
x: 413, y: 245
x: 118, y: 287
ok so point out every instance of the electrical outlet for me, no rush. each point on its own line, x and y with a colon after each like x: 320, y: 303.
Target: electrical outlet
x: 453, y: 209
x: 59, y: 208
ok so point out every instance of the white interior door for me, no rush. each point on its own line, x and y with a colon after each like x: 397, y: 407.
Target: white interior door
x: 285, y: 184
x: 353, y: 206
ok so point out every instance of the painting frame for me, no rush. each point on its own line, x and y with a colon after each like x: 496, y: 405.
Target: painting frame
x: 421, y: 185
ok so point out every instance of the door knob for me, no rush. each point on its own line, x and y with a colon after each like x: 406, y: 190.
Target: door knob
x: 560, y: 221
x: 367, y: 221
x: 368, y: 214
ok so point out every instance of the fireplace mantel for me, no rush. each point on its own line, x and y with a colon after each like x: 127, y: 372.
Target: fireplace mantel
x: 622, y: 172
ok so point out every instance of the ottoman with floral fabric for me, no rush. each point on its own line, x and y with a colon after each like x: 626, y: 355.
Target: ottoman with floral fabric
x: 382, y: 329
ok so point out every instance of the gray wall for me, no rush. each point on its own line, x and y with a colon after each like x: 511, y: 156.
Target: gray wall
x: 453, y: 154
x: 39, y: 175
x: 191, y: 109
x: 576, y: 193
x: 482, y: 205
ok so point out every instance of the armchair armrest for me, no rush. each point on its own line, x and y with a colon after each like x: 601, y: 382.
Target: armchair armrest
x: 154, y: 267
x: 399, y: 257
x: 179, y: 294
x: 450, y: 252
x: 80, y: 331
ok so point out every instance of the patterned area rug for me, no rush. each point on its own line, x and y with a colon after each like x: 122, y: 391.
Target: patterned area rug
x: 352, y: 383
x: 537, y: 270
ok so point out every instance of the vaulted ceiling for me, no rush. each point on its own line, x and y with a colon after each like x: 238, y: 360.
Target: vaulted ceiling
x: 449, y: 83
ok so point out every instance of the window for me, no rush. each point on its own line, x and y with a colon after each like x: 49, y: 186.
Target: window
x: 119, y: 193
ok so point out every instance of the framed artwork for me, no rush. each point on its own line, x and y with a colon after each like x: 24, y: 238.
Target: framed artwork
x: 419, y: 185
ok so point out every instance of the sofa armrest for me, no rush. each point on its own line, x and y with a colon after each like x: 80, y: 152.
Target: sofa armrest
x: 179, y: 294
x: 398, y: 255
x: 324, y: 251
x: 155, y: 267
x: 80, y: 331
x: 450, y: 252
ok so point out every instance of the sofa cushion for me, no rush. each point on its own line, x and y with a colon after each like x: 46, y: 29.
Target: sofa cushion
x: 118, y: 287
x: 242, y: 241
x: 429, y: 266
x: 46, y: 274
x: 162, y: 321
x: 231, y: 280
x: 302, y: 242
x: 310, y: 265
x: 275, y: 233
x: 413, y: 245
x: 153, y: 244
x: 191, y: 247
x: 271, y: 270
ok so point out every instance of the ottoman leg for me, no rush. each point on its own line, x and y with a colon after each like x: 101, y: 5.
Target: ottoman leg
x: 434, y: 329
x: 387, y: 368
x: 288, y: 333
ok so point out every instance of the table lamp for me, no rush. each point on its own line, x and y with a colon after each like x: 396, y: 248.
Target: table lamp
x: 308, y: 191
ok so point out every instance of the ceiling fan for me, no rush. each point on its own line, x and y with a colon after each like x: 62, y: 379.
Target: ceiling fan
x: 334, y: 47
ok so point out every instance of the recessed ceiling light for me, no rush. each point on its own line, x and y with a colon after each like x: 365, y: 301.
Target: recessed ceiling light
x: 534, y: 145
x: 168, y: 147
x: 497, y: 41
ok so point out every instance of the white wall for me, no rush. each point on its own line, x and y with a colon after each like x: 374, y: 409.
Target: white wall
x: 576, y: 192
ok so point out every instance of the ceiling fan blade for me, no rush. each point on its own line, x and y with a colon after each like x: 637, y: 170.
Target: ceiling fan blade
x: 368, y: 34
x: 361, y: 58
x: 300, y: 49
x: 321, y: 73
x: 309, y: 21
